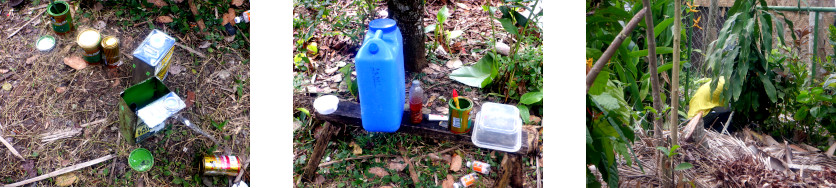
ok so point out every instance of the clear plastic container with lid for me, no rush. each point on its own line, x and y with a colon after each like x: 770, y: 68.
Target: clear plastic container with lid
x: 498, y: 127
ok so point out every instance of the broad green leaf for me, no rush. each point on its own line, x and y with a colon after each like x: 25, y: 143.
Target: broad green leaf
x: 588, y: 137
x: 801, y: 113
x: 442, y: 15
x: 531, y: 97
x: 524, y: 113
x: 816, y: 112
x: 817, y: 91
x: 664, y: 150
x: 659, y: 51
x: 593, y: 53
x: 668, y: 66
x: 600, y: 83
x: 477, y: 75
x: 769, y: 88
x: 509, y: 26
x: 661, y: 27
x: 429, y: 28
x: 683, y: 166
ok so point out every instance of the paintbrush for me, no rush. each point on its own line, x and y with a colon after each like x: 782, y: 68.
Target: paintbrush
x: 456, y: 98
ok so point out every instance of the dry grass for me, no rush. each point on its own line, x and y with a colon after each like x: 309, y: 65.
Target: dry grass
x: 36, y: 106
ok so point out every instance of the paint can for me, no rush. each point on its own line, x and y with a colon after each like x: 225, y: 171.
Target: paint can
x: 110, y: 48
x: 89, y: 40
x: 62, y: 19
x: 459, y: 121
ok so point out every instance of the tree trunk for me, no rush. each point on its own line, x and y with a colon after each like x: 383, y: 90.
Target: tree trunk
x: 409, y: 14
x: 657, y: 101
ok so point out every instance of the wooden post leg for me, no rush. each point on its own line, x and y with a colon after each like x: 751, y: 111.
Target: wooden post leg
x: 510, y: 171
x: 323, y: 137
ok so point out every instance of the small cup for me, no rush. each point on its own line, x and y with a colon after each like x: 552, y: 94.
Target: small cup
x: 459, y: 119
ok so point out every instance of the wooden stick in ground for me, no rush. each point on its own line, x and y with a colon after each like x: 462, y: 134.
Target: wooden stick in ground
x: 674, y: 117
x: 195, y: 52
x: 8, y: 145
x: 318, y: 151
x: 62, y: 171
x: 599, y: 65
x: 664, y: 168
x: 412, y: 173
x: 27, y: 23
x: 510, y: 166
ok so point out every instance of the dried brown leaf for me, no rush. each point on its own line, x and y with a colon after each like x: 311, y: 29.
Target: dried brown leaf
x: 192, y: 7
x: 66, y: 180
x: 448, y: 183
x: 319, y: 180
x: 534, y: 119
x: 98, y: 6
x: 205, y: 44
x: 158, y: 3
x: 454, y: 63
x: 396, y: 165
x: 237, y: 3
x: 189, y: 98
x: 75, y: 62
x: 164, y: 19
x: 356, y: 149
x: 456, y: 164
x: 380, y: 172
x: 201, y: 25
x: 30, y: 60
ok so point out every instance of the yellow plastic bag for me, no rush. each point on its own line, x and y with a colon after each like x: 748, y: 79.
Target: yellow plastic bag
x: 703, y: 102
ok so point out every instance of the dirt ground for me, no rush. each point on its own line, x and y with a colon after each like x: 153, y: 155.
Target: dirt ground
x: 48, y: 97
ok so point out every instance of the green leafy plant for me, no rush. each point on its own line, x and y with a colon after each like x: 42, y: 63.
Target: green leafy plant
x: 218, y: 125
x: 740, y: 54
x: 607, y: 130
x: 527, y: 100
x: 670, y: 152
x: 442, y: 37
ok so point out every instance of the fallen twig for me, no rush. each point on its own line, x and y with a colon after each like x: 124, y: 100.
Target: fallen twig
x: 539, y: 177
x: 62, y: 171
x: 354, y: 158
x: 60, y: 134
x: 412, y: 173
x: 190, y: 50
x: 27, y: 23
x: 8, y: 145
x: 94, y: 122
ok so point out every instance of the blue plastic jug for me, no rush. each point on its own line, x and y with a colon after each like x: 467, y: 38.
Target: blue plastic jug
x: 380, y: 77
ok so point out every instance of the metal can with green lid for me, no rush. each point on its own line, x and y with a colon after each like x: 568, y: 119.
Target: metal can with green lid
x: 89, y: 40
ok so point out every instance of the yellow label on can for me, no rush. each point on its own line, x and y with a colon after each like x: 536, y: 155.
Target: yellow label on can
x: 164, y: 64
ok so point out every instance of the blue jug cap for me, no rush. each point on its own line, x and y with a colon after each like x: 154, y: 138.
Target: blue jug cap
x: 384, y: 24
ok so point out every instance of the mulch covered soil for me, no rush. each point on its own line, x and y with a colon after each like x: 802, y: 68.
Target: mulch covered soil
x: 42, y: 96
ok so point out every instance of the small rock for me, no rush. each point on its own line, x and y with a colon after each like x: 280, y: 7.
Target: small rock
x: 383, y: 14
x: 296, y: 125
x: 341, y: 63
x: 229, y: 38
x: 440, y: 51
x: 503, y: 48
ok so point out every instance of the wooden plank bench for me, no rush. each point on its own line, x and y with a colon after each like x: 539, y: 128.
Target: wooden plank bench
x: 348, y: 114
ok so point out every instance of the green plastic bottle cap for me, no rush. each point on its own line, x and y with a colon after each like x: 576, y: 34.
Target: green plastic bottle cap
x: 141, y: 160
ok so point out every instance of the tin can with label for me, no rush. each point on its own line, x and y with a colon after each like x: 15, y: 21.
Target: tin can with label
x: 220, y: 165
x: 459, y: 122
x: 152, y: 56
x: 110, y: 48
x: 89, y: 40
x: 144, y: 109
x: 62, y: 19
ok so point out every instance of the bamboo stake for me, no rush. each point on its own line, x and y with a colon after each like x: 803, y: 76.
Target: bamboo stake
x: 674, y: 117
x: 62, y: 171
x: 599, y: 65
x: 657, y: 101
